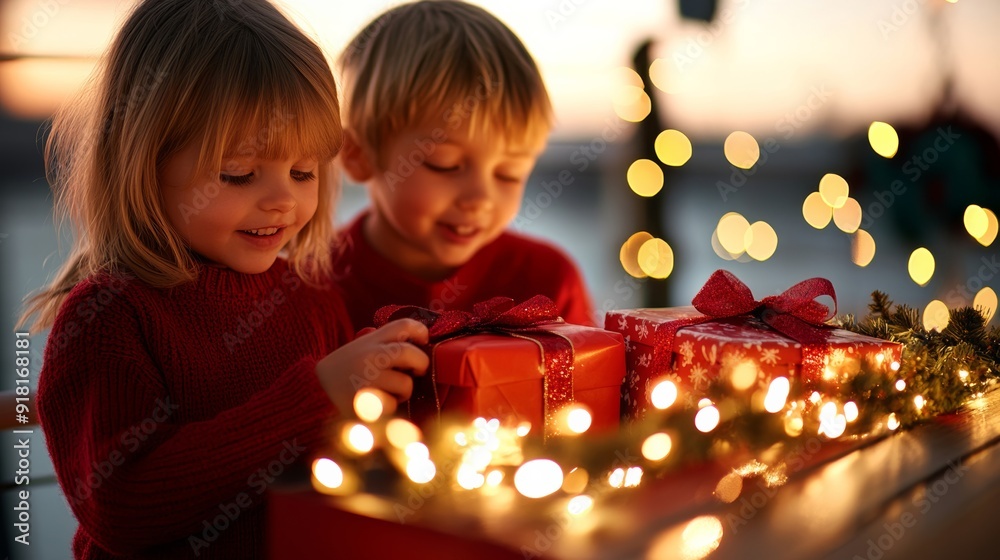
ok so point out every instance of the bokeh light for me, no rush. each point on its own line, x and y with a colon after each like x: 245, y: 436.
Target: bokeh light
x: 976, y: 221
x: 732, y: 230
x: 741, y: 149
x: 936, y: 316
x: 656, y: 258
x: 834, y: 190
x: 629, y: 254
x: 673, y: 147
x: 986, y: 302
x: 368, y: 405
x: 706, y: 419
x: 538, y: 478
x: 883, y: 139
x: 701, y: 537
x: 816, y: 211
x: 992, y: 227
x: 777, y: 394
x: 401, y: 433
x: 848, y: 216
x: 328, y: 473
x: 631, y: 103
x: 578, y: 419
x: 921, y: 266
x: 657, y: 446
x: 359, y: 438
x: 663, y: 395
x: 862, y: 248
x: 761, y: 241
x: 645, y: 177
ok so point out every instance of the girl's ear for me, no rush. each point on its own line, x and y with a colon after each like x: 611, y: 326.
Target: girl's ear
x: 355, y: 159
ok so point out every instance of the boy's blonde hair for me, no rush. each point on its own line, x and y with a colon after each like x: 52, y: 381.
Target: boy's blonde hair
x: 441, y: 59
x: 234, y: 75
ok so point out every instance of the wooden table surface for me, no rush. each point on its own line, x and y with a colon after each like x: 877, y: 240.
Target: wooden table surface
x: 929, y: 492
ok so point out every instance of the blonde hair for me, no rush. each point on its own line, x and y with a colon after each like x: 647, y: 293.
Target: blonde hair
x: 441, y: 58
x: 236, y: 76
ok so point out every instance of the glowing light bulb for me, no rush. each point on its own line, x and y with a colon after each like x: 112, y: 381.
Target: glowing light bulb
x: 663, y: 395
x: 538, y: 478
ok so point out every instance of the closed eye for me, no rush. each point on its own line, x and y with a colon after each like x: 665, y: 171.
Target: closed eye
x: 509, y: 179
x: 303, y: 176
x: 440, y: 169
x: 237, y: 180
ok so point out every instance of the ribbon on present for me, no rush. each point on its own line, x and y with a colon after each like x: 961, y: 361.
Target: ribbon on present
x: 794, y: 313
x: 500, y: 315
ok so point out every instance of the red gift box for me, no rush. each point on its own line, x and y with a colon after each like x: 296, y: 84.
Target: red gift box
x: 693, y: 348
x: 517, y: 363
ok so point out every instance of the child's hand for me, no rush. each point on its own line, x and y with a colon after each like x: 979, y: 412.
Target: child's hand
x: 384, y: 359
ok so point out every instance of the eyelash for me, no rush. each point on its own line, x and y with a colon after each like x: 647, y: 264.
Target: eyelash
x: 241, y: 180
x: 455, y: 168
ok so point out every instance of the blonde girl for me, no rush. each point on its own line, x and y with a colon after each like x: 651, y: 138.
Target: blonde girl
x: 192, y: 347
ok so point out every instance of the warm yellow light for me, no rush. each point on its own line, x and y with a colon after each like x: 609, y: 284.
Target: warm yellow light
x: 580, y: 505
x: 894, y: 366
x: 921, y: 266
x: 617, y: 478
x: 761, y: 241
x: 523, y: 429
x: 963, y: 374
x: 359, y: 438
x: 777, y: 394
x: 660, y: 75
x: 401, y: 433
x: 656, y: 258
x: 645, y: 177
x: 794, y: 425
x: 576, y: 481
x: 707, y: 419
x: 918, y: 401
x: 328, y: 473
x: 719, y: 250
x: 936, y: 316
x: 417, y: 450
x: 578, y: 419
x: 834, y: 427
x: 834, y: 191
x: 729, y: 488
x: 657, y: 446
x: 862, y: 248
x: 848, y: 217
x: 816, y: 212
x: 900, y: 385
x: 743, y: 375
x: 673, y: 147
x: 538, y: 478
x: 976, y: 221
x: 494, y: 478
x: 368, y: 405
x: 815, y: 397
x: 663, y: 394
x: 851, y: 411
x: 986, y: 303
x: 732, y: 231
x: 991, y: 229
x: 629, y: 254
x: 883, y: 139
x: 633, y: 476
x: 701, y: 537
x: 468, y: 477
x: 631, y: 103
x: 892, y: 423
x: 741, y: 149
x: 421, y: 471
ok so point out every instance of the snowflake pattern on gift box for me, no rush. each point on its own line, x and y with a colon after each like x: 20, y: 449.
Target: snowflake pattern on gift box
x: 642, y: 329
x: 645, y: 360
x: 699, y: 377
x: 622, y: 324
x: 732, y: 359
x: 710, y: 353
x: 769, y: 356
x: 836, y: 358
x: 628, y: 343
x: 686, y: 351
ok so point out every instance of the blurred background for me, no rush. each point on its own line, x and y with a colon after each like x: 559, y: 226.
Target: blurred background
x: 854, y: 140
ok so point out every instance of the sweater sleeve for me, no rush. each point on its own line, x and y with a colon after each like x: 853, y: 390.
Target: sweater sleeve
x: 133, y: 476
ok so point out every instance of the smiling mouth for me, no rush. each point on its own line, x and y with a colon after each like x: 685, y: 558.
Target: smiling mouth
x: 262, y: 232
x: 462, y: 231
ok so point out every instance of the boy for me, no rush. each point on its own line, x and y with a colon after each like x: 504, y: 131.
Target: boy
x: 446, y: 115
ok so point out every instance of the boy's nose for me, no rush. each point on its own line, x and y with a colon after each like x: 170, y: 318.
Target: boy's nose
x: 476, y: 195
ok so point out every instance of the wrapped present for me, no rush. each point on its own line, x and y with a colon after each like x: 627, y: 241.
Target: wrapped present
x: 728, y: 333
x: 517, y: 363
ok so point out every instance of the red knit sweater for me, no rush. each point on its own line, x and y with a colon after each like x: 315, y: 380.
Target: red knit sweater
x: 168, y: 413
x: 513, y: 266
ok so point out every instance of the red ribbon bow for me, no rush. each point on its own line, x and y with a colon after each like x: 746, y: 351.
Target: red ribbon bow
x: 504, y: 316
x: 794, y: 313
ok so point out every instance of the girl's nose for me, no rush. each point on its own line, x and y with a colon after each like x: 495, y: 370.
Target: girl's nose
x: 278, y: 196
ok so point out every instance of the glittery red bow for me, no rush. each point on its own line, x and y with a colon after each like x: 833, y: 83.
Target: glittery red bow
x: 500, y: 315
x: 794, y: 313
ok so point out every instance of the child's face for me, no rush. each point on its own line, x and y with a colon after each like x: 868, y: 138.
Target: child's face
x: 440, y: 195
x: 242, y: 218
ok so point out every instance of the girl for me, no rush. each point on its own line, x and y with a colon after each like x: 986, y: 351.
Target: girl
x: 188, y: 363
